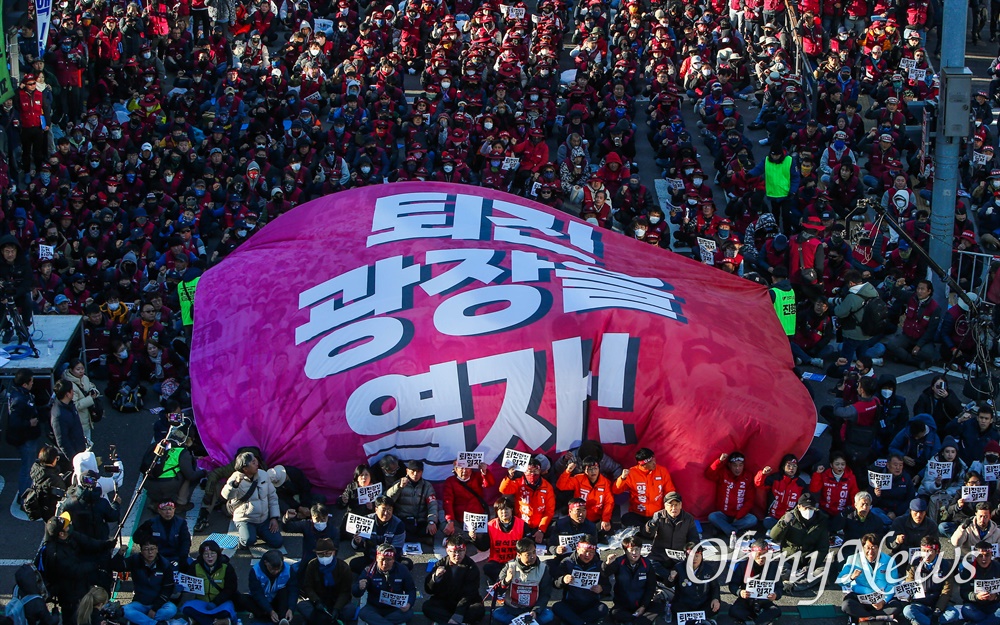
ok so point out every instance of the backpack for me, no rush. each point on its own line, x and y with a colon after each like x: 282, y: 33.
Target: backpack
x: 33, y: 503
x: 15, y: 609
x: 127, y: 400
x: 874, y: 314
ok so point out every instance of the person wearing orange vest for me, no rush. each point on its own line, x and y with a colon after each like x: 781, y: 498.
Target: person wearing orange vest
x: 34, y: 110
x: 647, y: 483
x: 593, y: 488
x: 502, y: 534
x: 536, y: 499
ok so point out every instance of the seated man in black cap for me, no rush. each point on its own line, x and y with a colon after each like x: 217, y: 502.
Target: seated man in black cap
x: 907, y: 531
x: 415, y: 502
x: 804, y: 536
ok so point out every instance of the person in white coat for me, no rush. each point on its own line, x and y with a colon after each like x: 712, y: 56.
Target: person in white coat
x: 251, y: 496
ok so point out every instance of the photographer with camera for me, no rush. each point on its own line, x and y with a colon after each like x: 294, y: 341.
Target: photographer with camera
x: 69, y: 563
x: 171, y: 469
x: 47, y: 483
x: 15, y: 285
x: 23, y: 430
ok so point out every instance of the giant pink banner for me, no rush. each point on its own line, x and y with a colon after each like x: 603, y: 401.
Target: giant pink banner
x: 427, y: 319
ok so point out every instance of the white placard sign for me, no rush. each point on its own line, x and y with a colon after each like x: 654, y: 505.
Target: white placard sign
x: 469, y: 459
x: 684, y: 617
x: 871, y: 598
x: 522, y: 619
x: 190, y: 583
x: 585, y: 579
x: 323, y: 25
x: 759, y: 589
x: 991, y: 472
x: 991, y: 586
x: 978, y: 158
x: 368, y: 494
x: 675, y: 554
x: 395, y: 599
x: 360, y: 525
x: 937, y: 470
x: 46, y: 252
x: 707, y: 247
x: 675, y: 184
x: 475, y: 522
x: 412, y: 549
x: 973, y: 494
x: 907, y: 64
x: 918, y: 74
x: 881, y: 481
x: 511, y: 162
x: 515, y: 13
x: 517, y: 460
x: 909, y: 590
x: 565, y: 540
x: 881, y: 463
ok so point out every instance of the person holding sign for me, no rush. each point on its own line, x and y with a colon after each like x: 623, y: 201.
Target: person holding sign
x: 390, y: 588
x: 977, y: 529
x: 894, y: 501
x: 274, y: 588
x: 581, y: 579
x: 220, y: 587
x: 934, y: 577
x: 573, y: 524
x: 453, y: 587
x: 502, y: 534
x: 980, y: 604
x: 152, y: 581
x: 691, y: 592
x: 465, y: 492
x: 871, y: 575
x: 349, y: 498
x: 755, y: 584
x: 671, y: 528
x: 635, y: 585
x: 527, y: 584
x: 536, y: 499
x: 942, y: 479
x: 962, y: 509
x: 591, y: 486
x: 326, y: 587
x: 317, y: 526
x: 387, y: 529
x: 733, y: 494
x: 416, y: 502
x: 646, y: 484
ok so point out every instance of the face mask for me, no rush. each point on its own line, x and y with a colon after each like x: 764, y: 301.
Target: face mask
x: 724, y: 234
x: 146, y: 55
x: 688, y: 171
x: 320, y: 527
x: 488, y: 126
x: 167, y: 178
x: 449, y: 168
x: 325, y: 561
x: 66, y: 48
x: 92, y: 261
x: 296, y: 166
x: 807, y: 513
x: 533, y: 97
x: 130, y: 177
x: 697, y: 182
x: 887, y: 393
x: 442, y: 72
x: 95, y: 164
x: 446, y: 85
x: 342, y: 29
x: 114, y: 306
x: 123, y: 354
x: 241, y: 233
x: 47, y: 177
x: 639, y: 233
x: 365, y: 170
x: 838, y: 145
x: 496, y: 163
x: 979, y: 123
x: 543, y: 73
x: 727, y: 111
x: 549, y: 175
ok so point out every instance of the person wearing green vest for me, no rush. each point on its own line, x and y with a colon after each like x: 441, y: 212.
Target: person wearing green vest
x: 783, y: 298
x: 781, y: 184
x: 185, y: 293
x: 172, y: 473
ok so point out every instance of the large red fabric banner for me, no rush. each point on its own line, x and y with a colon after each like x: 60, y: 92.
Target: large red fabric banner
x: 426, y: 319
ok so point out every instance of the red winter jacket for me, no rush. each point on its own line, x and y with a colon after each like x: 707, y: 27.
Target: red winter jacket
x: 733, y: 494
x: 834, y: 495
x: 784, y: 489
x: 458, y: 497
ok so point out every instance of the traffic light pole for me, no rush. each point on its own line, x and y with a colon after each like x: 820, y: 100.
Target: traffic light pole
x: 952, y: 126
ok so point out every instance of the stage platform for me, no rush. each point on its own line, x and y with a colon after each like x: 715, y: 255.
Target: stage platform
x: 66, y: 334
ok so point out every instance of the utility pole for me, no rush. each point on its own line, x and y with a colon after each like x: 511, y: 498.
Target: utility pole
x: 952, y: 126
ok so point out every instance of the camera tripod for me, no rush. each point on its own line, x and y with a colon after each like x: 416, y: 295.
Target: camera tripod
x: 12, y: 321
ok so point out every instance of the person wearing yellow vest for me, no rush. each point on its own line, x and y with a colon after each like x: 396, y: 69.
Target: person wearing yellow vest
x: 172, y: 474
x: 220, y: 587
x: 783, y: 298
x: 781, y: 183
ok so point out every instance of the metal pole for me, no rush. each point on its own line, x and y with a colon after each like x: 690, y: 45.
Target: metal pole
x: 953, y: 34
